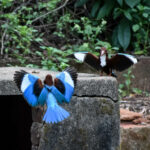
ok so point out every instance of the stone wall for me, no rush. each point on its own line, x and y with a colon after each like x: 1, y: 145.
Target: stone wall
x: 94, y: 121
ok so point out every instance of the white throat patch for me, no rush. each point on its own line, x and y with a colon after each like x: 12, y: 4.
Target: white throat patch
x: 103, y: 60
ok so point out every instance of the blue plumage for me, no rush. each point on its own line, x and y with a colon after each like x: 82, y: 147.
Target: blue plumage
x: 27, y: 88
x: 35, y: 93
x: 68, y: 83
x: 69, y: 92
x: 54, y: 112
x: 43, y: 96
x: 59, y: 96
x: 30, y: 97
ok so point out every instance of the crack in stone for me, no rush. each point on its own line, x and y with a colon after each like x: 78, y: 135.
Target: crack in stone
x: 100, y: 96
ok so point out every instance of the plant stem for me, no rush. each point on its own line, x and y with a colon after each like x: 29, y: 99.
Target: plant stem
x: 2, y: 42
x: 50, y: 12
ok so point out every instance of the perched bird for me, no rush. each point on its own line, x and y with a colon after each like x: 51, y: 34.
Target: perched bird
x: 102, y: 63
x: 51, y: 92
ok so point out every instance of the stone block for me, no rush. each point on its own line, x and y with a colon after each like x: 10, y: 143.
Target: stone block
x: 93, y: 125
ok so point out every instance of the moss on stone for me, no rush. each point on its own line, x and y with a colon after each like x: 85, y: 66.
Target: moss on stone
x: 106, y: 107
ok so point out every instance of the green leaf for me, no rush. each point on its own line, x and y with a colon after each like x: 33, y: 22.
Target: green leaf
x: 135, y: 27
x: 39, y: 53
x: 80, y: 3
x: 105, y: 9
x: 124, y: 34
x: 121, y: 86
x: 127, y: 15
x: 128, y: 82
x: 140, y: 52
x: 137, y: 91
x: 145, y: 15
x: 95, y: 8
x: 116, y: 13
x: 88, y: 30
x: 38, y: 39
x: 115, y: 37
x: 132, y: 3
x: 120, y: 2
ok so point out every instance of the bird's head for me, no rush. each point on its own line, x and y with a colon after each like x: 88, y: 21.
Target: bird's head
x: 103, y: 51
x: 48, y: 80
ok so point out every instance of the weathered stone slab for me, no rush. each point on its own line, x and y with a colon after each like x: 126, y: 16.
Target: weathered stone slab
x: 93, y: 125
x: 97, y: 86
x: 88, y: 84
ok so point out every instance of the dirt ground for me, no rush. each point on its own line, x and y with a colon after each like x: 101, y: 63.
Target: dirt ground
x: 138, y: 104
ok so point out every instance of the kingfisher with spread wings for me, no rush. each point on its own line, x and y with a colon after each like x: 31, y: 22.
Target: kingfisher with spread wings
x: 51, y: 92
x: 118, y: 62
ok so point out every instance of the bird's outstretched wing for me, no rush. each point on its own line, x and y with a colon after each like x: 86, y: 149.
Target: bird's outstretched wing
x: 65, y: 82
x: 31, y: 87
x: 88, y: 58
x: 54, y: 112
x: 122, y: 61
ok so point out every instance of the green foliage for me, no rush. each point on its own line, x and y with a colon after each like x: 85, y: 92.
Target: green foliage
x: 63, y: 25
x: 20, y: 34
x: 129, y: 18
x: 126, y: 89
x: 48, y: 5
x: 120, y: 2
x: 89, y: 31
x: 50, y: 30
x: 55, y: 59
x: 80, y: 3
x: 105, y: 9
x: 132, y: 3
x: 124, y: 34
x: 6, y: 3
x: 83, y: 28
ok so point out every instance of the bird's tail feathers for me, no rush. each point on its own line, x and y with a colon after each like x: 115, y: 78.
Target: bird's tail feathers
x: 55, y: 114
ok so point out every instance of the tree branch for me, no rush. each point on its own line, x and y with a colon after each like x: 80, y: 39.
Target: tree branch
x: 23, y: 4
x: 2, y: 42
x: 60, y: 7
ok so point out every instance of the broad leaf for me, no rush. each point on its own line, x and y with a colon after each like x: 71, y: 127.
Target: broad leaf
x: 132, y: 3
x: 105, y: 9
x: 95, y: 8
x: 124, y: 34
x: 115, y: 38
x: 80, y: 3
x: 120, y: 2
x: 117, y: 12
x: 127, y: 15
